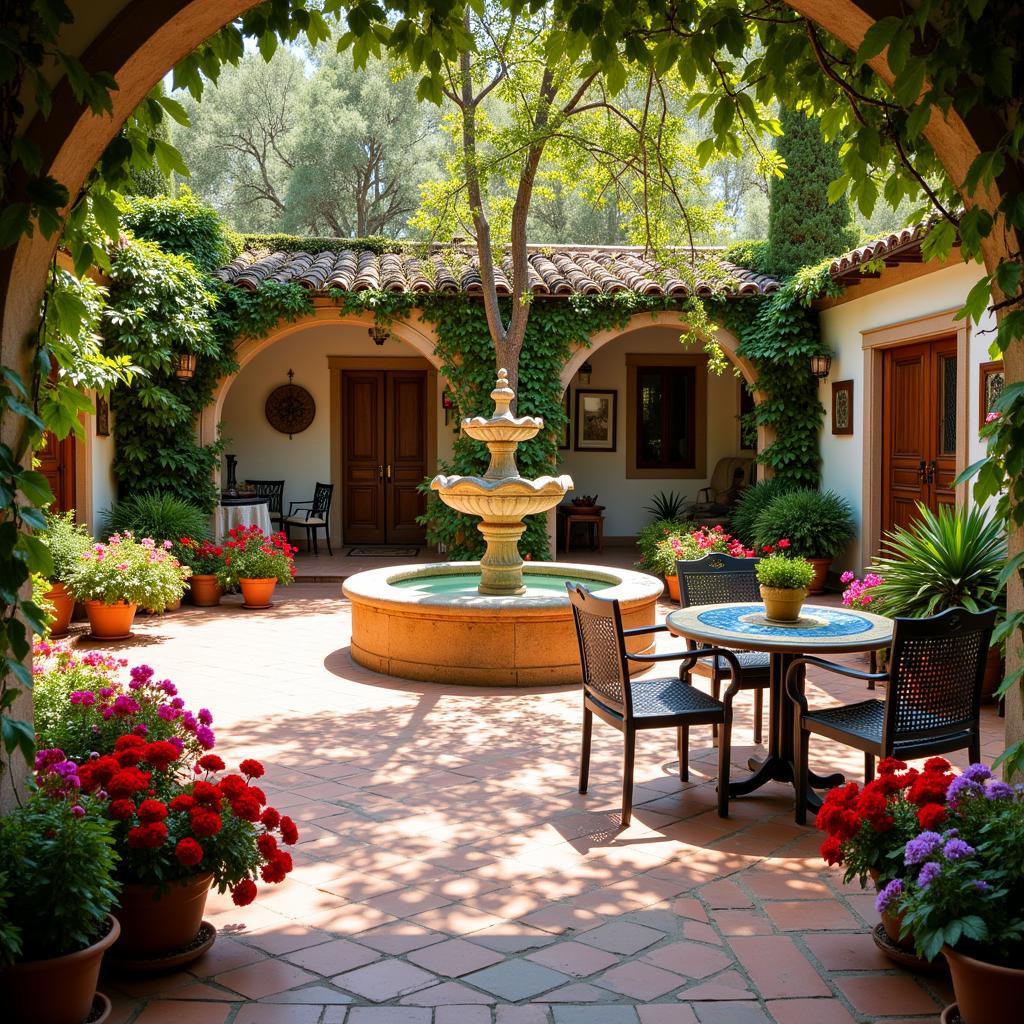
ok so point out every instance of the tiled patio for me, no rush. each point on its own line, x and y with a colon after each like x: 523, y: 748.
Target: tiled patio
x: 449, y: 872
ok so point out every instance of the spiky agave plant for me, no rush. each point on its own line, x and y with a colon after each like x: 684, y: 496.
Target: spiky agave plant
x: 947, y: 559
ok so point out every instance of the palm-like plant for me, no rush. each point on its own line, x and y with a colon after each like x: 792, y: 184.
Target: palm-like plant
x: 666, y: 505
x: 947, y: 559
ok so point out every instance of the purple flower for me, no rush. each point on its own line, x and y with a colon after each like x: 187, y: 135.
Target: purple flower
x: 997, y: 790
x: 125, y: 705
x: 889, y: 895
x: 205, y: 717
x: 143, y: 672
x: 177, y: 703
x: 189, y: 721
x: 169, y: 688
x: 928, y: 874
x: 204, y: 737
x: 136, y: 684
x: 921, y: 847
x: 957, y: 849
x: 141, y: 729
x: 167, y: 713
x: 177, y: 741
x: 78, y: 811
x: 977, y: 772
x: 962, y: 786
x: 981, y: 885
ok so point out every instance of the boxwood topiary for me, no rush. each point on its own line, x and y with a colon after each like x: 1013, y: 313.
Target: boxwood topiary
x: 817, y: 524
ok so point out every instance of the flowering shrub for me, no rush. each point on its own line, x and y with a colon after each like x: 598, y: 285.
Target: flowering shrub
x: 693, y: 544
x: 648, y: 539
x: 83, y: 704
x: 963, y: 883
x: 867, y: 828
x: 778, y: 570
x: 858, y: 592
x: 250, y: 554
x: 202, y: 557
x: 134, y: 571
x: 57, y: 864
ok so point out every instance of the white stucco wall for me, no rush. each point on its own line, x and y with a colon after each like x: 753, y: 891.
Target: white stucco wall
x: 604, y: 473
x: 304, y: 459
x: 841, y: 327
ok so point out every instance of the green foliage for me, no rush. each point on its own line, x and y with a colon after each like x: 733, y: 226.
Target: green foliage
x: 946, y: 559
x: 751, y: 503
x: 181, y: 225
x: 751, y: 254
x: 250, y: 555
x: 817, y: 524
x: 317, y: 243
x: 157, y: 515
x: 648, y: 539
x: 803, y: 226
x: 784, y: 572
x: 666, y: 505
x: 60, y: 878
x: 67, y: 542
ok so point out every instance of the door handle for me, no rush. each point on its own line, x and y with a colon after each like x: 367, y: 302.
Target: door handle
x: 380, y: 472
x: 389, y: 471
x: 922, y: 472
x: 932, y: 467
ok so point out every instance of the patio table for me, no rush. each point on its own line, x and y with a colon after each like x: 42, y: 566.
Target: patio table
x: 819, y: 630
x: 240, y: 511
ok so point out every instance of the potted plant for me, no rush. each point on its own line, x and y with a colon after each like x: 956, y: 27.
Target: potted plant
x: 785, y: 583
x: 818, y: 525
x: 67, y: 542
x: 648, y: 539
x: 56, y: 891
x: 952, y: 558
x: 866, y: 829
x: 693, y: 544
x: 966, y: 895
x: 209, y: 573
x: 257, y: 563
x: 113, y: 579
x: 752, y: 501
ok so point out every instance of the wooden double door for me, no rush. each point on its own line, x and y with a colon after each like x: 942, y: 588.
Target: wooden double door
x: 384, y: 455
x: 57, y: 463
x: 919, y: 429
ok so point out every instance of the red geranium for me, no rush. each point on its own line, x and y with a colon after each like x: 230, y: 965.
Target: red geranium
x: 244, y: 893
x: 267, y: 845
x: 289, y: 833
x: 188, y: 852
x: 161, y: 754
x: 232, y: 786
x: 205, y: 823
x: 252, y: 768
x: 931, y: 816
x: 128, y: 782
x: 207, y: 794
x: 152, y: 810
x: 246, y: 807
x: 211, y: 763
x: 270, y: 818
x: 182, y: 802
x: 120, y: 810
x: 147, y: 837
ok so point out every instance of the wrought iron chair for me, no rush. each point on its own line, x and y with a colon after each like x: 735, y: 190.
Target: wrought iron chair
x: 629, y: 705
x: 273, y: 491
x: 317, y: 517
x: 932, y: 698
x: 722, y: 579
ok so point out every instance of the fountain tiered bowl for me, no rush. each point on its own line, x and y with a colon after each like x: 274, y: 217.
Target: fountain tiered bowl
x: 499, y: 621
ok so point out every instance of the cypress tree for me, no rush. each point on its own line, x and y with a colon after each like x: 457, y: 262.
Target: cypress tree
x: 803, y: 227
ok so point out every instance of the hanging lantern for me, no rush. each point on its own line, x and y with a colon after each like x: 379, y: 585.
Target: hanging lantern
x: 820, y: 366
x: 585, y: 371
x: 379, y: 335
x: 185, y: 366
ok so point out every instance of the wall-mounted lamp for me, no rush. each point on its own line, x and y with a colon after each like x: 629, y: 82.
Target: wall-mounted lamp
x: 447, y: 400
x: 820, y: 366
x: 185, y: 366
x: 379, y: 335
x: 585, y: 371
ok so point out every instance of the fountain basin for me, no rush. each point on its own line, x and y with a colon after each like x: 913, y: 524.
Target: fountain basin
x: 428, y: 622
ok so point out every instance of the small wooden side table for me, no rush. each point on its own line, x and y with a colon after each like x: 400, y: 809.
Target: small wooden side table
x: 592, y: 516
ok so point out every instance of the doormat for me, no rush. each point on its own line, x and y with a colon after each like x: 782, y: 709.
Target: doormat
x: 383, y: 551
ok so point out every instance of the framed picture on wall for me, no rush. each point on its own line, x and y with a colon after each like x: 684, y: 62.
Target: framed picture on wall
x: 594, y: 429
x: 563, y: 442
x: 102, y: 416
x: 842, y: 407
x: 991, y: 387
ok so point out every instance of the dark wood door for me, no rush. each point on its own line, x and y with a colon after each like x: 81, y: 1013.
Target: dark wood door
x: 919, y: 389
x: 57, y: 464
x: 384, y: 449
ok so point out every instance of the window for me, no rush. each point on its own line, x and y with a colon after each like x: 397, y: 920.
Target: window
x: 666, y: 416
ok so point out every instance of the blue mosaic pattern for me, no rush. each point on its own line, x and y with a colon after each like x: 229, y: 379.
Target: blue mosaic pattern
x: 837, y: 623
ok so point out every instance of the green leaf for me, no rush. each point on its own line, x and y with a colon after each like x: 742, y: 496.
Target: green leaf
x: 35, y: 487
x: 106, y: 215
x: 877, y: 38
x: 17, y: 734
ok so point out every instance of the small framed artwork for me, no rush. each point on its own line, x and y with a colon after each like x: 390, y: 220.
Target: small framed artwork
x: 563, y: 441
x: 842, y: 407
x: 102, y: 416
x: 594, y: 429
x: 991, y: 387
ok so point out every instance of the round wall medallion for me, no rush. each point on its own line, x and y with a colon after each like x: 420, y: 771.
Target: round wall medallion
x: 290, y: 409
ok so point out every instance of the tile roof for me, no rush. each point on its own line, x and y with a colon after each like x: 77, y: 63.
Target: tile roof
x: 554, y: 271
x: 900, y: 247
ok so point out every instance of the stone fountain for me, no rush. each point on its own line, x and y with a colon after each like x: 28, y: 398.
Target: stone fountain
x: 496, y: 622
x: 501, y: 497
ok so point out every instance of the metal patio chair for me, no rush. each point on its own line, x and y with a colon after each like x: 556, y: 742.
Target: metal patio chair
x: 317, y: 517
x: 632, y: 705
x: 932, y: 697
x: 273, y: 491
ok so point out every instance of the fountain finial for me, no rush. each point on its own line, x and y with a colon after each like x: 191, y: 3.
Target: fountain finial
x: 502, y: 395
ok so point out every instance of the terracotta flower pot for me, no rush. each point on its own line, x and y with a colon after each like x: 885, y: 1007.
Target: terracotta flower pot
x: 985, y: 993
x: 672, y: 582
x: 820, y: 575
x: 59, y: 990
x: 155, y: 923
x: 63, y: 608
x: 783, y: 603
x: 257, y: 593
x: 206, y: 591
x: 110, y: 621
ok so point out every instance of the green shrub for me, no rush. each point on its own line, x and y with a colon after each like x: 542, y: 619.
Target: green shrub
x: 67, y: 541
x: 784, y: 573
x: 648, y: 539
x: 751, y: 503
x: 160, y: 516
x: 947, y: 559
x: 817, y: 524
x: 751, y: 254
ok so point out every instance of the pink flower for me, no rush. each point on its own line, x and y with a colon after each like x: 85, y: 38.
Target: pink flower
x: 992, y: 417
x: 122, y: 566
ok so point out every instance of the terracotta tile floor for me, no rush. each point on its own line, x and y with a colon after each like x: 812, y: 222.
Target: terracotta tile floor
x: 449, y: 872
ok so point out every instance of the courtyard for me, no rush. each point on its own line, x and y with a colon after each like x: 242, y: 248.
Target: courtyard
x: 448, y: 872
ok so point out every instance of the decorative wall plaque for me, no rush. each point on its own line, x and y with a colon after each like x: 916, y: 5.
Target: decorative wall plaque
x: 290, y: 408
